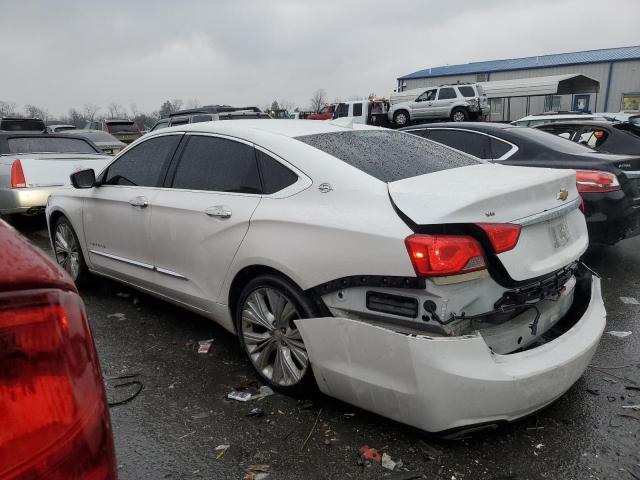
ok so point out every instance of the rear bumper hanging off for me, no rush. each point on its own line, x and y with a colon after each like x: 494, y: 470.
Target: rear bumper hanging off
x: 443, y: 383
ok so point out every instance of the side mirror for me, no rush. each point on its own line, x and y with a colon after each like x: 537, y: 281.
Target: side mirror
x: 83, y: 178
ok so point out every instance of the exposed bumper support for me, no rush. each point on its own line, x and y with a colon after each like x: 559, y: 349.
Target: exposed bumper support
x: 441, y: 383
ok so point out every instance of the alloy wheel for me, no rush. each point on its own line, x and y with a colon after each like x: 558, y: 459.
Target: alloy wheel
x: 271, y: 339
x: 66, y: 250
x: 458, y: 116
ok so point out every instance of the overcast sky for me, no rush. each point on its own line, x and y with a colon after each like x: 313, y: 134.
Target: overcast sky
x: 61, y: 54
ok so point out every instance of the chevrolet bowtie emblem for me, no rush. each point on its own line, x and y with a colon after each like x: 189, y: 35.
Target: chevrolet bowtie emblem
x: 563, y: 195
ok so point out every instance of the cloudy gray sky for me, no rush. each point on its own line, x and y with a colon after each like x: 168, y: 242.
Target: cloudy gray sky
x: 61, y: 54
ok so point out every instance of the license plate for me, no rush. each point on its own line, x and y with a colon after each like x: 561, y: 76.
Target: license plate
x: 560, y: 234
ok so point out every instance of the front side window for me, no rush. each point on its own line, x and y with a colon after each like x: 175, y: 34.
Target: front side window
x: 446, y: 93
x: 143, y: 165
x: 217, y: 165
x: 427, y: 96
x: 342, y: 110
x: 472, y: 143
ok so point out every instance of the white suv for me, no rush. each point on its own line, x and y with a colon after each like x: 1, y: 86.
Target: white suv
x: 458, y: 103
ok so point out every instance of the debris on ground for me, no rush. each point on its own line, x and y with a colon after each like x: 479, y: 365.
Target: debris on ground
x: 368, y: 455
x: 632, y: 407
x: 611, y: 398
x: 257, y: 472
x: 619, y: 334
x: 123, y: 295
x: 117, y: 316
x: 220, y: 451
x: 255, y: 412
x: 427, y: 449
x: 631, y: 387
x: 204, y: 345
x: 130, y: 383
x: 629, y: 300
x: 304, y: 444
x: 306, y: 405
x: 388, y: 463
x: 246, y: 393
x: 593, y: 391
x: 280, y: 412
x: 349, y: 415
x: 539, y: 446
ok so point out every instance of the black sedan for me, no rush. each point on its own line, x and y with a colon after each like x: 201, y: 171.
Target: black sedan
x: 605, y: 137
x: 609, y: 184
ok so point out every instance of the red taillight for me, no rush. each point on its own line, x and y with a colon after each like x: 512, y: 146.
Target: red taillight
x: 17, y: 175
x: 437, y: 255
x: 595, y: 181
x: 55, y: 422
x: 503, y: 236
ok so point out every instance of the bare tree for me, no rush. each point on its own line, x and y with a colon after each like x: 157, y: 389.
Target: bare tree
x: 287, y: 105
x: 115, y: 110
x: 193, y: 103
x: 7, y: 109
x: 318, y: 100
x: 34, y: 111
x: 89, y: 111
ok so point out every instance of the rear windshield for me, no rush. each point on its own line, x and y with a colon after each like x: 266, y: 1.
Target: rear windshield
x: 388, y: 155
x: 20, y: 125
x: 122, y: 127
x: 49, y: 145
x: 98, y: 136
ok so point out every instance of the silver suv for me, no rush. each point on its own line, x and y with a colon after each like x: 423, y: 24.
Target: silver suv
x: 457, y: 103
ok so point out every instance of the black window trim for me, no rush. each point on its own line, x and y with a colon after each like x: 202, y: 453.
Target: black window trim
x: 163, y: 175
x: 514, y: 148
x: 302, y: 183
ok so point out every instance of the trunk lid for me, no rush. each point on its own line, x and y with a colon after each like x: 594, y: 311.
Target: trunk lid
x: 53, y: 170
x: 544, y: 201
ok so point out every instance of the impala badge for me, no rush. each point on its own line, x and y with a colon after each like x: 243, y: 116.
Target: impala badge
x: 325, y: 187
x: 563, y: 194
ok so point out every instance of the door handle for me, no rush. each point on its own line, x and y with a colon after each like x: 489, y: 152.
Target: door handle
x: 219, y: 211
x: 140, y: 202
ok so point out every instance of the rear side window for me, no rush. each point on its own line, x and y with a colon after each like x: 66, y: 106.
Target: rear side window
x: 342, y: 110
x: 201, y: 118
x: 467, y: 92
x: 468, y: 142
x: 446, y: 93
x: 49, y: 144
x: 217, y: 165
x: 388, y: 155
x: 275, y: 176
x: 499, y: 148
x: 160, y: 125
x: 357, y: 109
x: 179, y: 121
x: 143, y: 164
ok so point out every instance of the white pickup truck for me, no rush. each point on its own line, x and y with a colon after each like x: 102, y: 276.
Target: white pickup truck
x: 33, y: 165
x: 366, y: 112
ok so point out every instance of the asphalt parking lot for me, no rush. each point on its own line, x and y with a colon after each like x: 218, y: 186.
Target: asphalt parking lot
x: 172, y: 428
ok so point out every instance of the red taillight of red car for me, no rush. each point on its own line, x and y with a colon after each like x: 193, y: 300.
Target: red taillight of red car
x: 595, y: 181
x: 54, y: 416
x: 438, y: 255
x: 17, y: 175
x: 503, y: 236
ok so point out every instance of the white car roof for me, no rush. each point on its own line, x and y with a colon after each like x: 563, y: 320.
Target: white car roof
x: 244, y: 128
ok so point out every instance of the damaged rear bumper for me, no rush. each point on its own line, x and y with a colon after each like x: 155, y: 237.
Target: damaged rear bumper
x: 443, y: 383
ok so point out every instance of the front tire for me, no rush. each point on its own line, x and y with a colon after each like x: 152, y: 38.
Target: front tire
x: 265, y: 314
x: 67, y: 251
x: 401, y: 118
x: 459, y: 115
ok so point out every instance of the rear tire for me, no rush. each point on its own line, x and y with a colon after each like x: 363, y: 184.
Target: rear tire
x: 401, y: 118
x: 67, y: 251
x: 265, y: 312
x: 459, y: 115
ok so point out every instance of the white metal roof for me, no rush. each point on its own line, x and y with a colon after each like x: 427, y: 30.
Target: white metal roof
x: 550, y: 85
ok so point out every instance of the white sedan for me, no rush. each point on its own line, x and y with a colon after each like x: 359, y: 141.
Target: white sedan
x: 402, y: 276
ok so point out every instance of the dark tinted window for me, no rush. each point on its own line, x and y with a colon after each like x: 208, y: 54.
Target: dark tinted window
x: 446, y: 93
x: 122, y: 127
x: 160, y: 125
x: 275, y: 176
x: 468, y: 142
x: 548, y: 141
x: 342, y: 110
x: 388, y: 155
x: 21, y: 125
x: 144, y: 164
x: 467, y: 92
x: 179, y: 121
x: 219, y: 165
x: 49, y: 144
x: 498, y: 148
x: 357, y: 109
x: 201, y: 118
